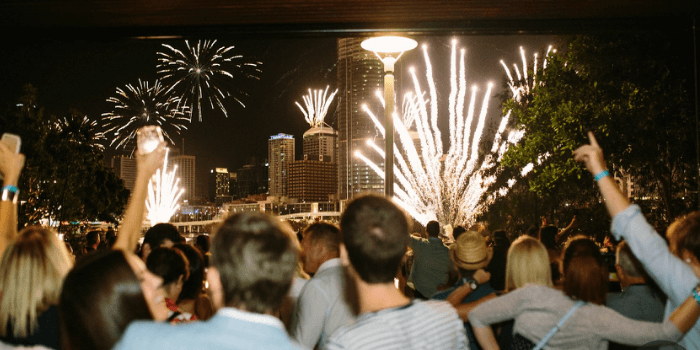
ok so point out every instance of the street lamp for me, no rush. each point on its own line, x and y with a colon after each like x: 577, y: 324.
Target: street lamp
x: 388, y: 49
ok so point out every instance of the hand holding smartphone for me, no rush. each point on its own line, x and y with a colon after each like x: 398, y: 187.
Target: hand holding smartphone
x: 148, y: 138
x: 13, y: 143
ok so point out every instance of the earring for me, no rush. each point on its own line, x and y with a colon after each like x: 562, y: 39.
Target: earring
x: 687, y: 260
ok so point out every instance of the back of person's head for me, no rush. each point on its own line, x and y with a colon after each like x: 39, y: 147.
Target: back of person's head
x: 255, y: 259
x: 202, y: 242
x: 92, y: 237
x: 158, y: 234
x: 684, y: 235
x: 533, y: 232
x: 100, y: 297
x: 457, y: 231
x: 32, y: 271
x: 629, y: 264
x: 375, y: 234
x: 500, y: 239
x: 324, y: 233
x: 169, y: 264
x: 528, y: 262
x: 585, y: 272
x: 548, y: 236
x: 433, y: 229
x: 470, y: 253
x: 110, y: 234
x: 193, y: 284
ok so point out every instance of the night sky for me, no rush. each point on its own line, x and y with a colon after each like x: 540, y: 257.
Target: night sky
x: 83, y: 74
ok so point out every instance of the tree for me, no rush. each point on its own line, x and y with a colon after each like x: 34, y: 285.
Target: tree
x: 64, y: 178
x: 631, y: 91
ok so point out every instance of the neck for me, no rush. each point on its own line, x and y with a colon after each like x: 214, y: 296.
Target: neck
x: 375, y: 297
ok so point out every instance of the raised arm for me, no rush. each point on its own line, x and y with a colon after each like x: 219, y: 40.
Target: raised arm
x: 11, y: 165
x: 146, y: 166
x: 674, y: 277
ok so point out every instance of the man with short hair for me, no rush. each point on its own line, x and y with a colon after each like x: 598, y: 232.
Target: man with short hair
x: 253, y: 261
x: 321, y: 307
x: 431, y: 262
x: 93, y: 240
x: 638, y: 300
x: 160, y: 235
x: 375, y: 237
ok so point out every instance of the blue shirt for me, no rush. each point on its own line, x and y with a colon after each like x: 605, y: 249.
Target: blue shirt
x: 673, y: 276
x: 230, y: 329
x: 481, y: 291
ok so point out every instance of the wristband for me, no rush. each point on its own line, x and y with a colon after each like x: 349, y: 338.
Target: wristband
x: 601, y: 175
x: 695, y: 294
x: 10, y: 193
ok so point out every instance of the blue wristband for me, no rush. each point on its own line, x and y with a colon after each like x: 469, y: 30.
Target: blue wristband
x: 601, y: 175
x: 695, y: 295
x: 10, y: 188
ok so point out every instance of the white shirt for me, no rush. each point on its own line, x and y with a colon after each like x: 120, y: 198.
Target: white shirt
x: 321, y: 307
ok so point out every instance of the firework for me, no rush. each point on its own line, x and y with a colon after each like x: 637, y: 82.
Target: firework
x: 163, y: 194
x: 523, y: 85
x: 204, y: 72
x: 81, y: 130
x: 139, y: 105
x: 317, y: 103
x: 450, y: 187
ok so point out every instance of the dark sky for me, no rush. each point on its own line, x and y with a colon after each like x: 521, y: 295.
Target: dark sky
x: 83, y: 74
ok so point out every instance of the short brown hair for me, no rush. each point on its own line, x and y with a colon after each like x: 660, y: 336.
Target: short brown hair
x: 629, y: 263
x: 375, y: 234
x: 255, y: 258
x: 326, y: 233
x: 585, y: 272
x: 684, y: 234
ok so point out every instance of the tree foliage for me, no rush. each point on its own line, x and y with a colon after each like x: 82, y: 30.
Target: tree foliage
x: 64, y: 177
x: 631, y: 91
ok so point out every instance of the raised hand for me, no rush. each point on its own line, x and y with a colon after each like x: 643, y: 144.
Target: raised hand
x: 591, y: 155
x: 147, y: 164
x: 11, y: 164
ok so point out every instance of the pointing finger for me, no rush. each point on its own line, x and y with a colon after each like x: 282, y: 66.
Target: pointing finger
x: 591, y: 138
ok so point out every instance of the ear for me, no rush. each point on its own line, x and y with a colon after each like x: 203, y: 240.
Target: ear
x: 145, y: 251
x: 215, y: 289
x: 181, y: 281
x: 344, y: 259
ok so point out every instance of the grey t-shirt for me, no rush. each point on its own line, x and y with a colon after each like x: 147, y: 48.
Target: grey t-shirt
x: 536, y: 309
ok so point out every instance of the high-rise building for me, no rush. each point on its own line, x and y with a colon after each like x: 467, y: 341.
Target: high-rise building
x: 360, y: 76
x: 185, y: 172
x: 125, y: 168
x: 253, y: 179
x: 233, y: 185
x: 222, y: 182
x: 315, y: 179
x: 280, y: 151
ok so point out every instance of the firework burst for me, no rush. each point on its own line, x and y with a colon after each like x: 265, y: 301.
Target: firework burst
x: 204, y: 72
x: 163, y: 193
x: 317, y: 103
x: 81, y: 130
x: 139, y: 105
x: 452, y: 187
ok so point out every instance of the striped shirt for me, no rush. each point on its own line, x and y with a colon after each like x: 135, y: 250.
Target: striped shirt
x: 418, y: 325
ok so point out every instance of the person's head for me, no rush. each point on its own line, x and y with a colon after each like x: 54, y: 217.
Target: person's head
x: 459, y: 230
x: 432, y: 229
x: 102, y: 295
x: 160, y: 235
x: 684, y: 239
x: 320, y: 243
x: 629, y: 269
x: 375, y: 237
x: 470, y: 253
x: 202, y: 242
x: 528, y: 262
x: 93, y: 238
x: 548, y: 237
x: 500, y: 239
x: 193, y: 284
x: 31, y: 274
x: 584, y: 270
x: 171, y: 265
x: 110, y: 234
x: 533, y: 232
x: 252, y: 263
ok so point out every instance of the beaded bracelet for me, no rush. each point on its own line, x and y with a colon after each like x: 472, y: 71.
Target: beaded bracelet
x: 601, y: 175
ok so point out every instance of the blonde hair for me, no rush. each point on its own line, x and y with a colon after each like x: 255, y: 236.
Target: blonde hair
x: 528, y: 262
x: 32, y: 270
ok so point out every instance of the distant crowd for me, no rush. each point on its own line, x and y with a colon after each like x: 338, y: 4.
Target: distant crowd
x: 367, y: 283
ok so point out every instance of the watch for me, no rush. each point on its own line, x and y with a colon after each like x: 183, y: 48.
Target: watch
x: 471, y: 282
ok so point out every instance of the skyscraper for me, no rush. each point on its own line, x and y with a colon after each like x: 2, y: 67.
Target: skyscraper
x: 125, y: 168
x: 359, y: 78
x: 280, y: 151
x: 314, y: 178
x: 185, y: 172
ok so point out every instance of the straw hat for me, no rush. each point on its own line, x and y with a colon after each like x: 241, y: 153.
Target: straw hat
x: 470, y: 252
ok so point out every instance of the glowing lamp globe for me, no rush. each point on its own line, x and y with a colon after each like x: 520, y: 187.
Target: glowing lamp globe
x: 389, y: 44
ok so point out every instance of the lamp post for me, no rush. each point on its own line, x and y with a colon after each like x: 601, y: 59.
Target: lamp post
x: 388, y: 49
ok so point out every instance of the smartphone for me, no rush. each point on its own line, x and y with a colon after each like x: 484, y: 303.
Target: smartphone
x: 148, y: 138
x: 13, y: 142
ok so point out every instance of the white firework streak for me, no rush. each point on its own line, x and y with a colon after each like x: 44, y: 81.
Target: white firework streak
x: 163, y: 194
x: 317, y: 103
x: 141, y: 105
x: 451, y: 188
x: 521, y: 87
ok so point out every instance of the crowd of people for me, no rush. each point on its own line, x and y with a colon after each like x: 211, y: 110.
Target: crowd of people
x: 363, y: 284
